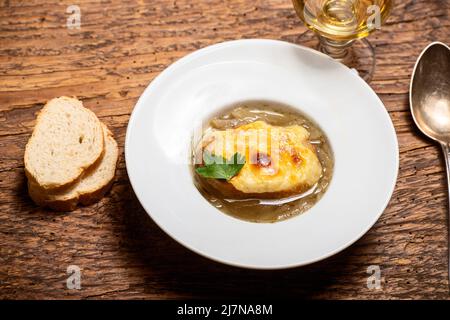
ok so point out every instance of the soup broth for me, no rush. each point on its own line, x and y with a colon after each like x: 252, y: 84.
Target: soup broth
x: 262, y: 209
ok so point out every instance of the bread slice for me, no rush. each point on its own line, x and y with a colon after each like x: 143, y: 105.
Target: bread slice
x: 66, y: 140
x: 91, y: 187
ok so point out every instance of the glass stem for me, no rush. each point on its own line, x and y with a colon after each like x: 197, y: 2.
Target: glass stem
x: 339, y: 50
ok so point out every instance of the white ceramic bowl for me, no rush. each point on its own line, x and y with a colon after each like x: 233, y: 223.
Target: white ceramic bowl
x: 353, y: 117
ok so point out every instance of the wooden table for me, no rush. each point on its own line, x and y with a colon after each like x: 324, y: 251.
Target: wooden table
x: 120, y: 47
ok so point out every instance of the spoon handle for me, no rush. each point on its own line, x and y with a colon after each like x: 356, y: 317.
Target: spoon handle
x: 446, y: 150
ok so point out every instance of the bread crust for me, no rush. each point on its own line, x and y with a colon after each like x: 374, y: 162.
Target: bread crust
x: 70, y: 204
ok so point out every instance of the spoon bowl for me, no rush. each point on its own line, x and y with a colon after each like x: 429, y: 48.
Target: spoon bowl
x: 430, y: 92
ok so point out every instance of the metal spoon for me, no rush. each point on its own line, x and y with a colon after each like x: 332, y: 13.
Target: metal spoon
x: 429, y: 98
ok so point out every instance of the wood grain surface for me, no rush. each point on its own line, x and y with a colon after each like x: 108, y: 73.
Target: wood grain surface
x: 120, y: 47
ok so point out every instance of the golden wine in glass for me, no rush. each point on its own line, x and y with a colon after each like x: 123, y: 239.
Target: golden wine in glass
x: 338, y: 23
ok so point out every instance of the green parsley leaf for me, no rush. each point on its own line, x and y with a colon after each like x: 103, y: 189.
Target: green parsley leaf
x: 217, y: 167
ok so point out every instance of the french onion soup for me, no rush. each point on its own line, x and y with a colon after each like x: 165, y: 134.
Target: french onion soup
x: 262, y: 162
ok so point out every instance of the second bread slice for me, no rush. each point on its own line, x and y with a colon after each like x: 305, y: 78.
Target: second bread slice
x: 94, y: 183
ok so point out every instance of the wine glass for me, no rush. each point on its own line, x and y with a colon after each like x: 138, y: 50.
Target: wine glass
x: 342, y: 25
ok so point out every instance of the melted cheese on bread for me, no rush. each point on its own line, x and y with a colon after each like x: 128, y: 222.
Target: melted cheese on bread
x: 277, y: 159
